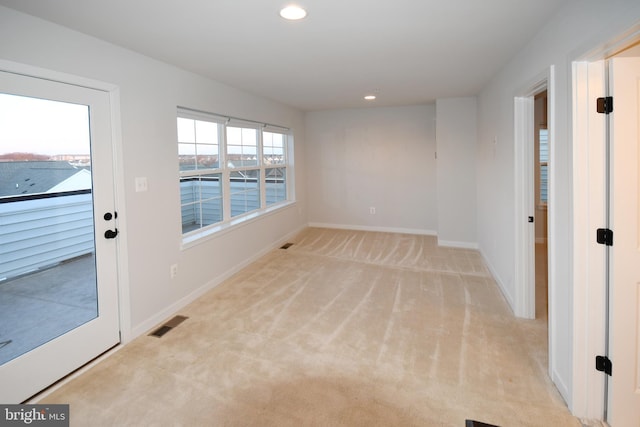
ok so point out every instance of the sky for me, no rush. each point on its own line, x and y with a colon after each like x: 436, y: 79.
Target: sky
x: 31, y: 125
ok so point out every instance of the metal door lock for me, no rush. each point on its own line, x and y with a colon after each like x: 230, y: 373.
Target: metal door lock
x: 111, y: 234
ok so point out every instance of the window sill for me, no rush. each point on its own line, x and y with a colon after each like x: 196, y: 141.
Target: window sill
x: 197, y: 237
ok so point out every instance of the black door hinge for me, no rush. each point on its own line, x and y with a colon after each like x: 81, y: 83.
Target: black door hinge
x: 605, y: 236
x: 605, y: 105
x: 603, y: 364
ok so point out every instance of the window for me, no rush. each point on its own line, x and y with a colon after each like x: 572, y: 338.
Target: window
x: 543, y: 137
x: 244, y: 166
x: 273, y: 157
x: 200, y: 173
x: 228, y: 169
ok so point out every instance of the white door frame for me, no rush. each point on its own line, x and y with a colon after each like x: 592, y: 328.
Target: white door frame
x: 119, y: 183
x: 525, y: 290
x: 589, y: 204
x: 524, y: 304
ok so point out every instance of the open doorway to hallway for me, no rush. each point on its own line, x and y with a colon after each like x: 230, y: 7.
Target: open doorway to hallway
x: 535, y: 242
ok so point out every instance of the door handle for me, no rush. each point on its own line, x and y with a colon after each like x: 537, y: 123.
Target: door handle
x: 111, y: 234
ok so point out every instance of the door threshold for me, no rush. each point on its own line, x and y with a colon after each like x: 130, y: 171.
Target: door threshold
x: 72, y: 375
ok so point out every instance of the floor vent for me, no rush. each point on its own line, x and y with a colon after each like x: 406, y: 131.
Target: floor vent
x: 286, y: 246
x: 172, y: 323
x: 472, y: 423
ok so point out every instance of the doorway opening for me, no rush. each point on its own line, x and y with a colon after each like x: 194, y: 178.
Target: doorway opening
x: 541, y: 194
x: 534, y: 192
x: 534, y: 195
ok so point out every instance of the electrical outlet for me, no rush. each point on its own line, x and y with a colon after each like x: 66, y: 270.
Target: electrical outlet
x: 173, y: 270
x: 372, y: 211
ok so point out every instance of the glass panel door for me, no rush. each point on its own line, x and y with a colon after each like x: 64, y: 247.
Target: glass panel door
x: 47, y: 256
x: 54, y: 269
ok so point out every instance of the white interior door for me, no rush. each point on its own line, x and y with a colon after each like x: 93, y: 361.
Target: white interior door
x: 624, y: 396
x: 58, y: 269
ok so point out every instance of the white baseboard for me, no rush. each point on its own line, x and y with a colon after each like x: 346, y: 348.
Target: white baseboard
x: 560, y: 384
x: 420, y: 232
x: 172, y: 309
x: 503, y: 290
x: 460, y: 245
x: 375, y: 229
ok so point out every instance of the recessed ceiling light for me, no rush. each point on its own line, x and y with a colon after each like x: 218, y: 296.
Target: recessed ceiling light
x: 293, y: 13
x: 370, y: 97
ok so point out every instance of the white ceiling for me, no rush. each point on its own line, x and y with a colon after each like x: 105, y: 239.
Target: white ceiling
x: 409, y: 51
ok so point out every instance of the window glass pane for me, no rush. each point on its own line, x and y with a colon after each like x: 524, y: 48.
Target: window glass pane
x: 543, y: 182
x: 245, y: 191
x: 544, y: 159
x: 211, y: 211
x: 207, y: 156
x: 242, y: 147
x: 201, y: 201
x: 276, y: 186
x: 234, y: 135
x: 44, y: 146
x: 187, y: 156
x: 198, y: 144
x: 207, y: 147
x: 186, y: 130
x: 273, y: 149
x: 206, y: 132
x: 544, y: 145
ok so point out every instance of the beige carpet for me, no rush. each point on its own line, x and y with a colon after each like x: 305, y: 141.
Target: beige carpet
x: 344, y: 328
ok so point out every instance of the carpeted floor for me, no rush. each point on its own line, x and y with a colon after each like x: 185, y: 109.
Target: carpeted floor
x: 344, y: 328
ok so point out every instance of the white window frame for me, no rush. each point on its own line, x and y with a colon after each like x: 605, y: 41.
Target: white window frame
x: 197, y: 235
x: 285, y: 165
x: 243, y: 168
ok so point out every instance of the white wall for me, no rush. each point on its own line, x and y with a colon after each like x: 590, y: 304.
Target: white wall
x: 372, y: 157
x: 456, y: 135
x: 578, y: 27
x: 150, y: 91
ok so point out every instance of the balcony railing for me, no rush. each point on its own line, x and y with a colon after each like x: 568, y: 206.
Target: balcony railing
x: 201, y: 199
x: 42, y: 230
